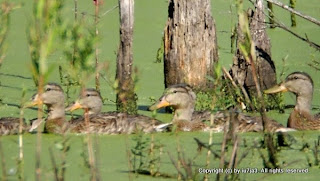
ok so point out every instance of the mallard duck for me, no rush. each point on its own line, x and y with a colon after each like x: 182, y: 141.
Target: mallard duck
x: 182, y: 99
x: 53, y: 98
x: 10, y: 125
x: 109, y: 122
x: 301, y: 85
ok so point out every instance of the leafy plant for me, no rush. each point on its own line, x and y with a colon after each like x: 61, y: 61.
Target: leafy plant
x: 4, y: 24
x: 79, y: 41
x: 221, y: 96
x: 5, y: 10
x: 146, y: 156
x: 42, y: 33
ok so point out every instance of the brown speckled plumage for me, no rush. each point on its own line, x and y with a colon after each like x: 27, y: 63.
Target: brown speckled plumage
x: 110, y: 122
x: 100, y: 123
x: 10, y: 125
x: 182, y: 99
x: 301, y: 85
x: 303, y: 121
x: 113, y: 123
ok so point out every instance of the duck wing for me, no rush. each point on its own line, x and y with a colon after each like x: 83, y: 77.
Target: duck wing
x: 116, y: 123
x: 10, y: 125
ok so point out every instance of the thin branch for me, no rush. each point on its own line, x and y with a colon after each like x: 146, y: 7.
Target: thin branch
x: 109, y: 10
x: 286, y: 7
x: 312, y: 44
x: 246, y: 96
x: 96, y: 19
x: 176, y: 165
x: 54, y: 165
x: 279, y: 24
x: 208, y: 147
x: 3, y: 163
x: 232, y: 162
x: 20, y: 160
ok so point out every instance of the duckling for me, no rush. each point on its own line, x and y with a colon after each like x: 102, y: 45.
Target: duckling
x: 110, y: 122
x: 301, y: 85
x: 182, y: 99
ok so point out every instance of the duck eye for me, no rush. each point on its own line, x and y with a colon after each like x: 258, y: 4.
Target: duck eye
x: 295, y: 77
x: 48, y: 89
x: 175, y: 91
x: 88, y: 95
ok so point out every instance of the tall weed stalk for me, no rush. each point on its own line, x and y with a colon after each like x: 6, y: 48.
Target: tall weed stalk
x: 41, y: 33
x: 21, y: 155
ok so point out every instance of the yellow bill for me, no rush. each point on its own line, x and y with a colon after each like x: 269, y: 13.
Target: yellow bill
x: 159, y: 104
x: 36, y: 100
x: 75, y: 106
x: 276, y: 89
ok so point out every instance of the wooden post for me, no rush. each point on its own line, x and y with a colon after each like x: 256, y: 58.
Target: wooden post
x: 266, y: 71
x: 190, y: 43
x: 126, y: 98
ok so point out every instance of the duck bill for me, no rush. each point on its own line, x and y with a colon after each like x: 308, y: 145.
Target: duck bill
x: 75, y: 106
x: 36, y: 100
x: 276, y: 89
x: 159, y: 104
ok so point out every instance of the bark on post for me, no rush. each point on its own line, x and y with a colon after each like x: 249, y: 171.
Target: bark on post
x: 190, y: 43
x: 266, y: 70
x: 126, y: 98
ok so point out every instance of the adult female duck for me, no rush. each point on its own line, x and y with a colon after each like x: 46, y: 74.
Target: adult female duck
x: 182, y: 99
x: 301, y: 85
x: 110, y: 122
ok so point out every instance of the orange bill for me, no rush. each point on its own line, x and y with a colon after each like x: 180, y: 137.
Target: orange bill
x: 75, y: 106
x: 36, y: 100
x: 159, y: 104
x: 276, y: 89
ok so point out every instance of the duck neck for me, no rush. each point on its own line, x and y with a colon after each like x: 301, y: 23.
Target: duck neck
x: 184, y: 113
x: 56, y: 111
x: 304, y: 102
x: 94, y: 111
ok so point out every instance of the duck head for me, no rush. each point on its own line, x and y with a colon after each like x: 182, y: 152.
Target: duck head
x: 89, y: 99
x: 181, y: 98
x: 301, y: 85
x: 53, y: 98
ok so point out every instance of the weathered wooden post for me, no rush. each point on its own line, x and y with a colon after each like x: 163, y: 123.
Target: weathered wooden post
x: 126, y: 98
x: 190, y: 43
x: 266, y: 70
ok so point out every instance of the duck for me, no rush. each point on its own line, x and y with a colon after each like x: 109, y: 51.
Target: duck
x: 301, y: 85
x: 182, y: 99
x: 110, y: 122
x: 10, y: 126
x: 53, y: 97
